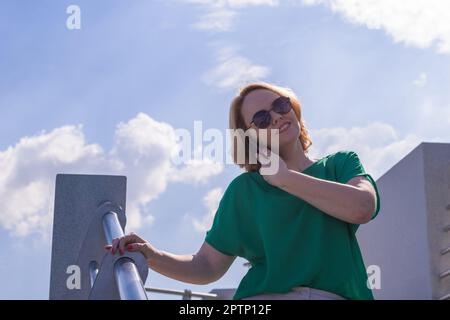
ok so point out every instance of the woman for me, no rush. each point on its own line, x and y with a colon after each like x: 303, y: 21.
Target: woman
x: 296, y: 227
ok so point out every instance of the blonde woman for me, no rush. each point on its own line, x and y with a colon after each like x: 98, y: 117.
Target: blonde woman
x: 296, y: 227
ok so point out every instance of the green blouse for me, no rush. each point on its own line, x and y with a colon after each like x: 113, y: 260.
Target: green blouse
x: 289, y: 242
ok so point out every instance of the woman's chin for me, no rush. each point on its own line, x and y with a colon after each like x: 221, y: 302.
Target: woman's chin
x: 287, y: 140
x: 288, y: 136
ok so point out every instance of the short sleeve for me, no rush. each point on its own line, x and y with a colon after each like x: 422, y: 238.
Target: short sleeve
x: 224, y: 233
x: 351, y: 167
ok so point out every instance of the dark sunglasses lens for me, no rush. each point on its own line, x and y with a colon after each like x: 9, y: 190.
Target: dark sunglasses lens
x: 262, y: 119
x: 282, y: 105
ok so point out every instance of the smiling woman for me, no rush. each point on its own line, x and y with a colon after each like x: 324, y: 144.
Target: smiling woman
x: 296, y: 227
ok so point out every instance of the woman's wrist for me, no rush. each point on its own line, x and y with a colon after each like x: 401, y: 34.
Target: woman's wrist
x: 287, y: 179
x: 151, y: 254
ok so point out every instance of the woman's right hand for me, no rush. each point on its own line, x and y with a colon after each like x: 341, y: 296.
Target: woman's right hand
x: 132, y: 243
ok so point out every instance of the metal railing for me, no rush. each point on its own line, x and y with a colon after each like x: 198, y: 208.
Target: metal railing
x: 185, y: 294
x: 129, y: 283
x: 446, y: 297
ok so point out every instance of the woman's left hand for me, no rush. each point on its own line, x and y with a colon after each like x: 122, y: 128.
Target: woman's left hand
x: 277, y: 178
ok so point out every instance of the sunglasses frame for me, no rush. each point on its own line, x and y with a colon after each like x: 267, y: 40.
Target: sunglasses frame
x: 267, y: 114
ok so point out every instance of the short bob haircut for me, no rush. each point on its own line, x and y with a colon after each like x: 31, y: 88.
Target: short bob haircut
x: 236, y: 120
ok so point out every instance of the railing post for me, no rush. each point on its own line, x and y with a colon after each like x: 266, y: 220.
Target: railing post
x: 89, y: 213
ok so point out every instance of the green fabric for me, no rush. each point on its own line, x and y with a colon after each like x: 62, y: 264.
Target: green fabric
x: 288, y: 242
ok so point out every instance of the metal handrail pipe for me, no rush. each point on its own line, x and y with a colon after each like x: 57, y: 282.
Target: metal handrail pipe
x: 128, y: 281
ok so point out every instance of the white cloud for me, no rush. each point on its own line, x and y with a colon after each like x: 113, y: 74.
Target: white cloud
x: 219, y: 15
x: 233, y: 70
x: 211, y: 202
x: 142, y: 151
x: 420, y: 23
x: 197, y: 171
x: 246, y: 3
x: 29, y: 168
x: 378, y: 145
x: 421, y: 81
x: 219, y: 19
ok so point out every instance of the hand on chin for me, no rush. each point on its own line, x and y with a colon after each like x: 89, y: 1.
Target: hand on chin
x: 266, y: 158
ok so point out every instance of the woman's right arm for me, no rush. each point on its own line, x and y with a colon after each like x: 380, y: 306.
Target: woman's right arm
x: 206, y: 266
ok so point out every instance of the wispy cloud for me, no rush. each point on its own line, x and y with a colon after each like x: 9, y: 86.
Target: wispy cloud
x: 378, y: 144
x: 196, y: 171
x: 421, y: 81
x: 217, y: 19
x: 211, y: 203
x: 233, y: 70
x: 420, y: 23
x: 142, y: 151
x: 219, y: 15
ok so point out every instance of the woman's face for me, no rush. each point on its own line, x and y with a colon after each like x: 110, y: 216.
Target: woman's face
x: 287, y: 125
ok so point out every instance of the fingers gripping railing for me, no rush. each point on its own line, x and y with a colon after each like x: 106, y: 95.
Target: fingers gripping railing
x: 88, y: 215
x: 126, y: 274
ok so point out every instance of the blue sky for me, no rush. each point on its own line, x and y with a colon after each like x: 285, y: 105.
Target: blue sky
x: 371, y: 77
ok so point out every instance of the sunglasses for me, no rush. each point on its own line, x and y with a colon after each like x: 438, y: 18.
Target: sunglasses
x: 262, y: 119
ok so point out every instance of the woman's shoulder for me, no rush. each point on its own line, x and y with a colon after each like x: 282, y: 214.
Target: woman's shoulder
x: 243, y: 179
x: 239, y: 186
x: 341, y: 155
x: 337, y: 160
x: 246, y: 181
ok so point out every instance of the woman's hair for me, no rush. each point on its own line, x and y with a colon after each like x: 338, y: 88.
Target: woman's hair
x: 237, y: 121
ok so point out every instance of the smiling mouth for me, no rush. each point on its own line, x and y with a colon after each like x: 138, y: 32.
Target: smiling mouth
x: 284, y: 127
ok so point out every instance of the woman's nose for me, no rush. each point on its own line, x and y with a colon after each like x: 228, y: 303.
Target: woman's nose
x: 275, y: 117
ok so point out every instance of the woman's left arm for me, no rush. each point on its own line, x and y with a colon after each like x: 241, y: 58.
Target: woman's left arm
x: 353, y: 202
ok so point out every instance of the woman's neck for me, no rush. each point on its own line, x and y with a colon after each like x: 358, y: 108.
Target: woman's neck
x: 294, y: 156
